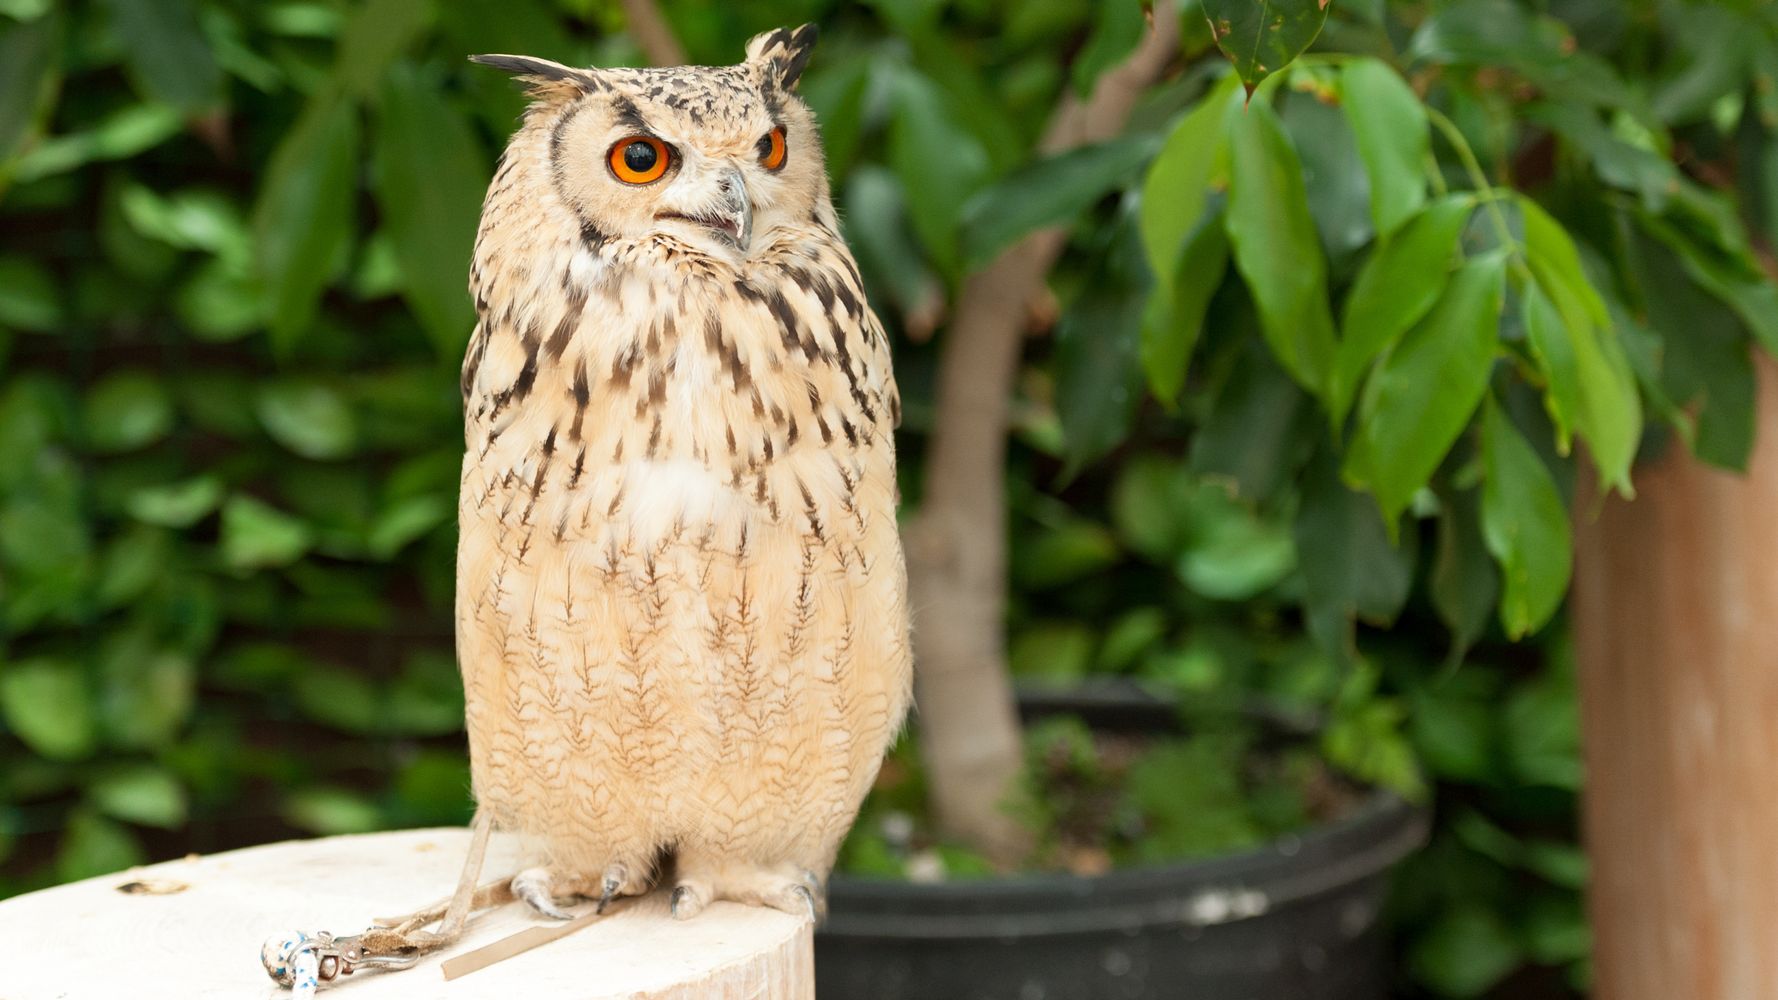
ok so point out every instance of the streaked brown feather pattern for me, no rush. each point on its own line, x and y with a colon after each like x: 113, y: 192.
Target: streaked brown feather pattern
x: 681, y: 603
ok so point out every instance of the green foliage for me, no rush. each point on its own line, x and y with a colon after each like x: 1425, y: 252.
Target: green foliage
x: 1262, y: 37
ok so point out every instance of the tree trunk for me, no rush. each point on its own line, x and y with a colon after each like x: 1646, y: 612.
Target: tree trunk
x: 957, y: 543
x: 1675, y: 609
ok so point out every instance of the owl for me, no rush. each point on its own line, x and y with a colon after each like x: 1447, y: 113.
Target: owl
x: 681, y: 601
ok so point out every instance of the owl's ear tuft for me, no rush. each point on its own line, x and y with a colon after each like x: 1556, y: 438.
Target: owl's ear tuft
x: 784, y: 52
x: 544, y: 79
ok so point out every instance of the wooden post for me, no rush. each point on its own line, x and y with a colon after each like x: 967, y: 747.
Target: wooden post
x: 192, y: 930
x: 1676, y: 623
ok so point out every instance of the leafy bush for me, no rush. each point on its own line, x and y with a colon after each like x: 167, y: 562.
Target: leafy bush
x: 1374, y: 307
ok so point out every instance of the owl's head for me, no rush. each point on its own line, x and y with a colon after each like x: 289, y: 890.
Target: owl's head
x: 704, y: 158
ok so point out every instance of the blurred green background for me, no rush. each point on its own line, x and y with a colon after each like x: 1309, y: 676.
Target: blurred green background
x: 233, y: 245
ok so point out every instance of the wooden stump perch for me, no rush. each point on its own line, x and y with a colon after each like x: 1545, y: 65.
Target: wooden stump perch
x: 195, y: 928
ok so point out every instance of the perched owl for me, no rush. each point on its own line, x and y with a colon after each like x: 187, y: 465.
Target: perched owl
x: 681, y: 600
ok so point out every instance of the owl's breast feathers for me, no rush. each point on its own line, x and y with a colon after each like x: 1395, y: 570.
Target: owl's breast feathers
x: 589, y: 384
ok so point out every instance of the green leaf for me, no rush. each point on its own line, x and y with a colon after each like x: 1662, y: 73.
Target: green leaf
x: 140, y: 793
x: 1456, y: 727
x: 256, y: 534
x: 1098, y: 340
x: 1047, y: 192
x: 25, y: 10
x: 1258, y: 430
x: 220, y: 302
x: 1464, y: 952
x: 875, y: 221
x: 1117, y: 29
x: 1465, y: 585
x: 167, y: 56
x: 1231, y: 552
x: 176, y: 505
x: 1131, y: 636
x: 29, y: 299
x: 94, y: 845
x: 309, y: 418
x: 127, y: 410
x: 432, y: 788
x: 1349, y: 566
x: 1525, y: 526
x: 1712, y: 46
x: 406, y: 521
x: 48, y: 705
x: 342, y: 699
x: 1556, y: 930
x: 922, y: 120
x: 134, y: 561
x: 147, y: 692
x: 302, y: 224
x: 1562, y: 864
x: 1174, y: 316
x: 1396, y: 287
x: 1146, y: 501
x: 1275, y: 244
x: 430, y: 177
x: 1555, y: 262
x: 1334, y: 181
x: 1591, y: 386
x: 119, y: 135
x: 1064, y: 554
x: 192, y: 219
x: 1541, y: 725
x: 1701, y: 349
x: 1423, y: 393
x: 332, y: 811
x: 28, y: 74
x: 1617, y: 162
x: 1179, y: 181
x: 1366, y: 739
x: 836, y: 92
x: 1055, y: 651
x: 1393, y: 139
x: 1262, y: 37
x: 427, y: 699
x: 1501, y: 33
x: 375, y: 35
x: 1731, y: 277
x: 43, y: 536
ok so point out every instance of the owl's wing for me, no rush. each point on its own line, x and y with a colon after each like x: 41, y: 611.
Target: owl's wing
x: 855, y: 323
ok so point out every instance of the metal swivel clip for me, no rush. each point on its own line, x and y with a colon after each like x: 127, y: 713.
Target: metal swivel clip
x: 302, y: 962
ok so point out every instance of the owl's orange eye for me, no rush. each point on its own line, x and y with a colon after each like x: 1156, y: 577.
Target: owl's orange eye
x: 639, y: 159
x: 771, y: 149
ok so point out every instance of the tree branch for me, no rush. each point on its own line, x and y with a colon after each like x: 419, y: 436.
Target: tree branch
x: 957, y: 542
x: 653, y: 34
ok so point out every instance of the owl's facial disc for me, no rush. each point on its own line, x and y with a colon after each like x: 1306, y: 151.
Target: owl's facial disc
x: 728, y: 215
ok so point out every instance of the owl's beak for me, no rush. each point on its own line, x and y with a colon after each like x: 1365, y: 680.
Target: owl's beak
x: 733, y: 185
x: 728, y: 215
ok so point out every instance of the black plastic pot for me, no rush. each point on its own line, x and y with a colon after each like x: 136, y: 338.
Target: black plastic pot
x: 1294, y: 920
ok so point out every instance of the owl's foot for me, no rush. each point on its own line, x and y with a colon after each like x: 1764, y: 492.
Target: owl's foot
x: 796, y: 891
x: 542, y: 891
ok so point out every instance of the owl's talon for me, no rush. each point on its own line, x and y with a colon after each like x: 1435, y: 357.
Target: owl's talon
x: 614, y: 878
x: 533, y: 886
x: 687, y: 901
x: 807, y: 897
